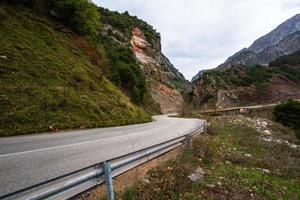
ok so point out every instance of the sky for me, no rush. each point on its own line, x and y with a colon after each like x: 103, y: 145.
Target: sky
x: 201, y: 34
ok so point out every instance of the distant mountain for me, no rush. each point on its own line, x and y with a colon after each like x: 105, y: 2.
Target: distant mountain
x: 197, y: 76
x: 283, y: 40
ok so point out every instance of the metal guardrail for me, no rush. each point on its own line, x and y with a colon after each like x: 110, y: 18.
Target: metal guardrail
x: 236, y: 109
x: 69, y: 185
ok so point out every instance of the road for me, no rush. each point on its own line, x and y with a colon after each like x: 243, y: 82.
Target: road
x: 29, y: 160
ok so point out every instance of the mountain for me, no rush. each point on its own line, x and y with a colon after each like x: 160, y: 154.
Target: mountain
x: 241, y: 85
x: 283, y: 40
x: 198, y: 75
x: 64, y: 71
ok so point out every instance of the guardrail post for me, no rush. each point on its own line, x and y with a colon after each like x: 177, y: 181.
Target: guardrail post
x: 205, y: 127
x: 108, y: 180
x: 189, y: 142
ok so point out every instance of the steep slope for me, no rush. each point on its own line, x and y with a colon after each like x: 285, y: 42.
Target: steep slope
x: 165, y: 84
x: 283, y: 40
x: 52, y: 79
x: 240, y: 85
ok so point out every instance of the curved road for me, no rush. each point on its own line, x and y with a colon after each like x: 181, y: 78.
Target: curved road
x: 29, y: 160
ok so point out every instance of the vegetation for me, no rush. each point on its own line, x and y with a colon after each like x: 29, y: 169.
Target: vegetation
x: 81, y: 15
x: 239, y: 76
x: 125, y: 23
x: 50, y: 80
x: 125, y: 72
x: 237, y: 165
x: 249, y: 83
x: 292, y: 59
x: 288, y: 114
x: 288, y: 66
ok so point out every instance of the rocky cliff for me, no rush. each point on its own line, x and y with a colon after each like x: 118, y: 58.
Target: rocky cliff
x: 164, y: 83
x: 161, y: 75
x: 283, y: 40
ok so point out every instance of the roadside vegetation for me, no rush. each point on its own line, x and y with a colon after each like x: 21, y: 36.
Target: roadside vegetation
x: 51, y: 78
x: 239, y: 158
x: 288, y: 114
x: 67, y: 64
x: 80, y: 15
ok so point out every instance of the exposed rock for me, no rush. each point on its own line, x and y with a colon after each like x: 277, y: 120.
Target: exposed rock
x: 248, y: 155
x: 197, y: 175
x: 266, y: 171
x: 274, y: 140
x: 160, y: 74
x: 146, y: 181
x: 267, y: 132
x: 226, y: 98
x: 211, y: 186
x: 293, y: 146
x: 228, y: 162
x: 3, y: 57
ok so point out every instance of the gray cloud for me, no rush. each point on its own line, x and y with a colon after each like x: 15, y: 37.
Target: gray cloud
x: 201, y: 34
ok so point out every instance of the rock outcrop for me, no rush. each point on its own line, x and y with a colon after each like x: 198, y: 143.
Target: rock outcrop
x: 164, y: 82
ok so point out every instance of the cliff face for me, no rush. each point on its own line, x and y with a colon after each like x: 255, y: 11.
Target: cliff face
x: 283, y: 40
x: 141, y: 44
x: 160, y: 74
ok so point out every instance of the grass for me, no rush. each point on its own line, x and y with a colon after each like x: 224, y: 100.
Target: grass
x: 48, y: 83
x: 229, y: 174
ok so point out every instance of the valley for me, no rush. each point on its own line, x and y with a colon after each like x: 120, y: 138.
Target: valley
x: 90, y: 99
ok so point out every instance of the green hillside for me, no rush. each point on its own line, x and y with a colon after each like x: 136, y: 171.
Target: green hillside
x: 51, y: 80
x: 250, y: 85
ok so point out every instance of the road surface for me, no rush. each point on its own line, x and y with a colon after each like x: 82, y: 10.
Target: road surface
x: 29, y: 160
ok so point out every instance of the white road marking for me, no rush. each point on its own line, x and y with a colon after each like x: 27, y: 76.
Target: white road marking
x: 58, y: 147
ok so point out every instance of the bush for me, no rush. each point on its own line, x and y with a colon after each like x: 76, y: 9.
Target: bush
x: 125, y: 72
x: 288, y: 114
x: 80, y: 15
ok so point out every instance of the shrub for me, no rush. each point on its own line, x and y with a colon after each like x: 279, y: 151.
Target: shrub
x: 288, y: 114
x: 125, y: 72
x: 80, y: 15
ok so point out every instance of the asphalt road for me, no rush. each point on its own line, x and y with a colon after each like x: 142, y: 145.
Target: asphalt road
x: 29, y: 160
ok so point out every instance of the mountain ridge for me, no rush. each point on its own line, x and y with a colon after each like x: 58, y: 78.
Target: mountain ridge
x: 260, y: 49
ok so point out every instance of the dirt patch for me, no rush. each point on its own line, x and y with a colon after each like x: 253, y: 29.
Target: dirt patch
x: 281, y: 87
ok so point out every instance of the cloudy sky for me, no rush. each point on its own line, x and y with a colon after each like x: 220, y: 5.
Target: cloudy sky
x: 201, y: 34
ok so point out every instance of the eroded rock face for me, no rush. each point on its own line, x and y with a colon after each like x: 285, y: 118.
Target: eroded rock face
x: 160, y: 73
x: 141, y: 47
